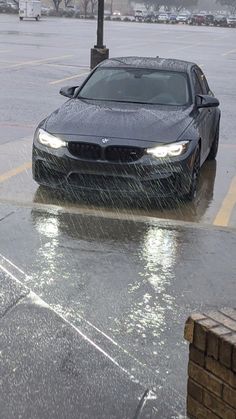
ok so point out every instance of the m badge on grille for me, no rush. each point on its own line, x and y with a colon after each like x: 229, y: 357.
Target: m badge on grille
x: 105, y: 140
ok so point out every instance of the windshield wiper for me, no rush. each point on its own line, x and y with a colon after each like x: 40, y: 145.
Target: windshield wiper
x: 117, y: 101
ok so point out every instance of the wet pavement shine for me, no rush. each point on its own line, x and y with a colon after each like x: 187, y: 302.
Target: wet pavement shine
x: 129, y: 286
x: 126, y: 276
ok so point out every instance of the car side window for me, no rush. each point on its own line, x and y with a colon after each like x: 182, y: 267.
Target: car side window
x: 202, y: 80
x: 196, y: 83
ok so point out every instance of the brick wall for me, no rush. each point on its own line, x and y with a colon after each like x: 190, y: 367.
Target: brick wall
x: 212, y: 364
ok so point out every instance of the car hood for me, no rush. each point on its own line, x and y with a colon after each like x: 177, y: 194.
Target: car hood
x: 149, y: 123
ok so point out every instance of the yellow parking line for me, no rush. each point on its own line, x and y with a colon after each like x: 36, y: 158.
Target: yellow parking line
x: 228, y: 145
x: 82, y: 67
x: 68, y: 78
x: 223, y: 216
x: 45, y: 60
x: 228, y: 52
x: 13, y: 172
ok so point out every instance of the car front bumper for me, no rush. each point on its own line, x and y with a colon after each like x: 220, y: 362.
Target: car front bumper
x: 148, y: 175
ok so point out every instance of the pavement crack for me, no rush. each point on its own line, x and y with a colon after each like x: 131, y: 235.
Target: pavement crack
x: 7, y: 215
x: 15, y: 303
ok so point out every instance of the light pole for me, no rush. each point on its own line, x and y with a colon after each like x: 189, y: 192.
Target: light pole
x: 99, y: 52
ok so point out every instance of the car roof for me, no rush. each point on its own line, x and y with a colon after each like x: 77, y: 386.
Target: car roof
x: 149, y: 62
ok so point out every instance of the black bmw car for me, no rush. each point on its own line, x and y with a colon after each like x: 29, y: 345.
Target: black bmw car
x: 136, y: 126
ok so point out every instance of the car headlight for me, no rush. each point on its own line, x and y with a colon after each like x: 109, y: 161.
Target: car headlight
x: 49, y: 140
x: 169, y: 150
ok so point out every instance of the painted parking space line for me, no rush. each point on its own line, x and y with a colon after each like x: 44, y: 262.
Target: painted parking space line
x: 16, y: 125
x: 228, y: 52
x: 41, y: 302
x: 136, y: 369
x: 14, y: 172
x: 2, y: 61
x: 69, y: 78
x: 226, y: 145
x: 228, y: 204
x: 80, y: 66
x: 33, y: 62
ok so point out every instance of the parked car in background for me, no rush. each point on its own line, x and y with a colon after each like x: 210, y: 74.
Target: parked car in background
x: 163, y: 18
x: 128, y: 18
x: 182, y: 18
x: 231, y: 21
x: 209, y: 20
x: 138, y: 14
x: 220, y: 20
x: 137, y: 126
x: 150, y: 18
x: 172, y: 18
x: 70, y: 7
x: 45, y: 11
x: 116, y: 13
x: 196, y: 19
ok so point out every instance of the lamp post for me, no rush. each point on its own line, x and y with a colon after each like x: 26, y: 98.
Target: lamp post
x: 99, y: 52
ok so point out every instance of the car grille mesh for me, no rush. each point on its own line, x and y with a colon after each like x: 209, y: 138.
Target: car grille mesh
x: 116, y: 154
x: 85, y: 151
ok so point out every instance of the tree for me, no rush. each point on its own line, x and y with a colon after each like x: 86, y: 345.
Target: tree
x: 111, y: 7
x: 93, y: 5
x: 231, y: 4
x: 157, y: 5
x: 148, y: 4
x: 57, y: 4
x: 84, y: 6
x: 67, y: 3
x: 178, y: 5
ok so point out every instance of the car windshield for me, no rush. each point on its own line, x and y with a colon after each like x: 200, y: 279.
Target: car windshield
x: 138, y: 86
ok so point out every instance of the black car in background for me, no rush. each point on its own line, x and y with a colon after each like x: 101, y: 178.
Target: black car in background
x: 209, y: 20
x: 137, y: 126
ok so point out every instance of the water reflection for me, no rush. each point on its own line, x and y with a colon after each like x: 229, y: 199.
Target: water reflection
x: 119, y: 276
x: 168, y: 209
x: 152, y: 298
x: 48, y: 229
x: 78, y: 255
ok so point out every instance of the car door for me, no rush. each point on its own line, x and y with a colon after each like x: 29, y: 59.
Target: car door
x: 201, y: 117
x: 211, y: 114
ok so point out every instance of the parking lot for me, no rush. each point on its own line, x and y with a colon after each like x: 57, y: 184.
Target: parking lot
x: 126, y: 277
x: 42, y: 57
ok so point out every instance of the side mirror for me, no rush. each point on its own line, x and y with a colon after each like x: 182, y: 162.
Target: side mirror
x: 206, y: 101
x: 68, y: 91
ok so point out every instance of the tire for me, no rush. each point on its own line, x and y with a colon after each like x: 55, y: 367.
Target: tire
x: 214, y: 147
x: 191, y: 195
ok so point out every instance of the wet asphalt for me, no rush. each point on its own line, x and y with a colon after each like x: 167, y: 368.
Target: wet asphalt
x: 50, y: 369
x: 127, y: 279
x: 129, y: 286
